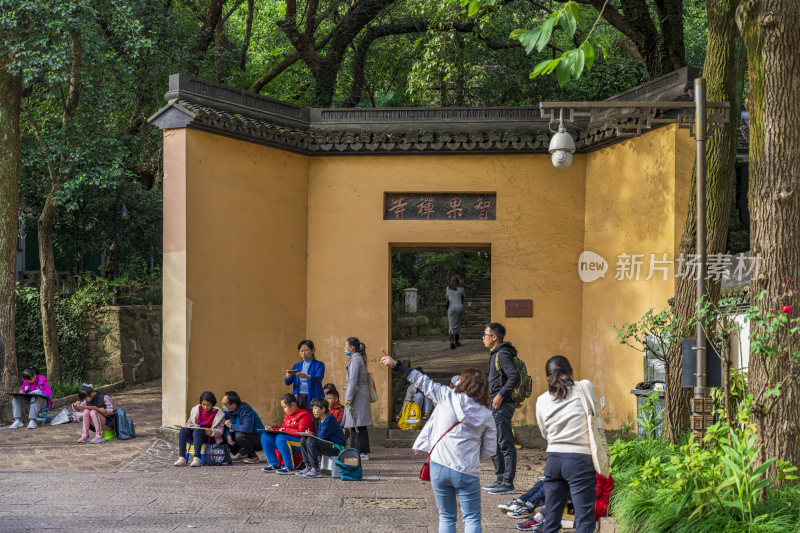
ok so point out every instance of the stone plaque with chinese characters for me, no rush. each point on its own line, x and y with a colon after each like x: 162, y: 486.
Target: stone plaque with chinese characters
x: 439, y: 206
x: 519, y: 308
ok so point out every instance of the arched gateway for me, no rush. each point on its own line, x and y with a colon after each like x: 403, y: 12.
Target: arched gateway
x: 279, y: 222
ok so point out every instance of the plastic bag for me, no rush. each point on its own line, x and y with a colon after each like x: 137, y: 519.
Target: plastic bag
x: 61, y: 418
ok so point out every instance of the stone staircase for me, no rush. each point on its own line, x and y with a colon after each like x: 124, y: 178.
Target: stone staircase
x: 399, y: 438
x: 477, y: 307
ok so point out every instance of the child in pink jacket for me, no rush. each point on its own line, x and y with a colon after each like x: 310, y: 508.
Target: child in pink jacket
x: 32, y: 383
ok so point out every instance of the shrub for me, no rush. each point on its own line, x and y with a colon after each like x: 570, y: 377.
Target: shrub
x: 694, y: 488
x: 76, y: 308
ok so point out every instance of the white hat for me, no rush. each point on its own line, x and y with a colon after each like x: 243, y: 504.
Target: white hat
x: 455, y: 380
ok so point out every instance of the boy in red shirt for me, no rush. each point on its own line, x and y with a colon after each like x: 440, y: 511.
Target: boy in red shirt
x: 295, y: 422
x: 332, y: 395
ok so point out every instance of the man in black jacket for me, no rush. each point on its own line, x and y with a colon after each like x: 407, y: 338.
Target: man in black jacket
x: 501, y: 383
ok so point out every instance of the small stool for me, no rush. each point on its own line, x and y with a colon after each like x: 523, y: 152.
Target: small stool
x: 44, y: 415
x: 328, y: 462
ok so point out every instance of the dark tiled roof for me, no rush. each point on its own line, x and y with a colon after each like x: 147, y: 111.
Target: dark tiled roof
x: 226, y: 111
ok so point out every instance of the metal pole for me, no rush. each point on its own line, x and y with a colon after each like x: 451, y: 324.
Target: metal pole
x: 700, y: 390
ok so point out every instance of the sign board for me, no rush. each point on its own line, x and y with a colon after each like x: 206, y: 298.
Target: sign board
x: 439, y: 206
x: 519, y: 308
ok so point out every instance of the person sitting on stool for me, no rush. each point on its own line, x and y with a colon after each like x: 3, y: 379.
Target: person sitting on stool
x: 32, y: 383
x: 206, y: 424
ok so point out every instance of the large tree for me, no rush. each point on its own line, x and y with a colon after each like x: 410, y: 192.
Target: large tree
x: 724, y: 74
x: 771, y: 33
x: 658, y: 44
x: 10, y: 95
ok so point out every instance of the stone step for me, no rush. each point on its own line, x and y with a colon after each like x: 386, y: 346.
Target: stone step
x: 400, y: 434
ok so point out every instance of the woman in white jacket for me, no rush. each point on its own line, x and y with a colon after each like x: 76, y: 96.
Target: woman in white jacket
x: 464, y: 423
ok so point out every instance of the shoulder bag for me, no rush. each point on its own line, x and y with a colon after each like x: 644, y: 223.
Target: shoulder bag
x: 425, y: 473
x: 597, y: 435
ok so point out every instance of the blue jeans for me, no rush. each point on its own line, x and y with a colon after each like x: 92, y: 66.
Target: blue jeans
x: 535, y: 496
x: 270, y: 441
x: 449, y: 484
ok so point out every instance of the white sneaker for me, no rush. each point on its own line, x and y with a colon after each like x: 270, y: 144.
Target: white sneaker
x: 31, y: 424
x: 16, y: 425
x: 364, y: 457
x: 511, y: 506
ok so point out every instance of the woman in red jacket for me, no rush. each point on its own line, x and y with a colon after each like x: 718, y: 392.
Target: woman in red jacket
x: 295, y: 422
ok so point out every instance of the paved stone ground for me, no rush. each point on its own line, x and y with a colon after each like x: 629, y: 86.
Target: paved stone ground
x: 51, y: 447
x: 47, y: 481
x: 436, y: 357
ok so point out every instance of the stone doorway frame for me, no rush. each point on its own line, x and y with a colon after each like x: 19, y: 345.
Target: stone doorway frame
x: 422, y: 247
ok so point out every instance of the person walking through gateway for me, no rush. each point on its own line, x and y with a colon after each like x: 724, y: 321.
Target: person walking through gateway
x: 455, y: 307
x: 503, y: 377
x: 459, y: 434
x: 357, y: 411
x: 569, y: 469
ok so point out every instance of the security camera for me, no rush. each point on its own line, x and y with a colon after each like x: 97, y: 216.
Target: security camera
x: 562, y: 146
x: 561, y: 159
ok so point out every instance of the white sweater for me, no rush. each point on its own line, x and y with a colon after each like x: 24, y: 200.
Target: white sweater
x: 563, y: 422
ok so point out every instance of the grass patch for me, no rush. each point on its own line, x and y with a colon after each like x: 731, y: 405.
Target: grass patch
x: 642, y: 505
x: 67, y: 388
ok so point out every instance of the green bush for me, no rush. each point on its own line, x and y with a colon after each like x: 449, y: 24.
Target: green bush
x: 693, y: 488
x: 76, y: 308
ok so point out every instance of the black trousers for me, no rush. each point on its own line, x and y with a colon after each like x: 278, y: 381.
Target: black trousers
x: 569, y: 474
x: 247, y: 442
x: 505, y: 460
x: 313, y: 448
x: 359, y: 439
x: 197, y: 436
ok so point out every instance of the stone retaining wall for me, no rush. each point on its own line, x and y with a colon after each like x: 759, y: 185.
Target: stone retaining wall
x: 126, y: 344
x: 419, y: 326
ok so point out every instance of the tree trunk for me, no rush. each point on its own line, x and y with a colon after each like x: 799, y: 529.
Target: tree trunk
x: 47, y: 289
x: 358, y: 16
x: 210, y: 19
x: 10, y: 105
x: 724, y: 73
x: 660, y: 48
x: 248, y: 32
x: 771, y: 32
x: 667, y: 429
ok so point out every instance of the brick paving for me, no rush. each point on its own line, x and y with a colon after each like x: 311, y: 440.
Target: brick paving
x: 48, y: 482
